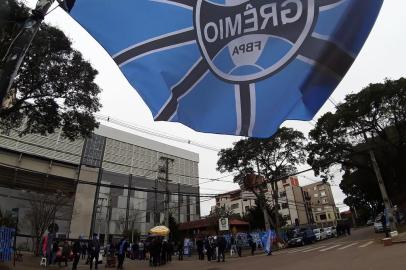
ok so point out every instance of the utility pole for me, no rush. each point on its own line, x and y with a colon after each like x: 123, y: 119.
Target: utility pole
x: 179, y: 200
x: 165, y: 170
x: 100, y: 210
x: 155, y: 201
x: 11, y: 62
x: 108, y: 218
x: 384, y: 193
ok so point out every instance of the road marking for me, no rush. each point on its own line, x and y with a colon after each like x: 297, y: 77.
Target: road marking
x: 330, y: 247
x: 367, y: 244
x: 347, y: 246
x: 313, y: 249
x: 299, y: 250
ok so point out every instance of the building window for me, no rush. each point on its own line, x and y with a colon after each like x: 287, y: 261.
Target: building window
x: 234, y: 206
x: 316, y: 195
x: 323, y: 194
x: 323, y: 217
x: 282, y: 194
x: 324, y: 201
x: 318, y: 209
x: 147, y: 217
x: 247, y: 208
x: 329, y: 216
x: 285, y: 205
x: 315, y: 188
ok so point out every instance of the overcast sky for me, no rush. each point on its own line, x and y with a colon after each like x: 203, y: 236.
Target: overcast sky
x: 383, y: 56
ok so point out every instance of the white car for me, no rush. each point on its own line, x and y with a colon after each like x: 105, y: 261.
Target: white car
x: 331, y: 232
x: 320, y: 234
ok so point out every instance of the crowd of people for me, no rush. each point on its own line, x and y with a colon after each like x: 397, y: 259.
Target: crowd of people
x: 156, y: 250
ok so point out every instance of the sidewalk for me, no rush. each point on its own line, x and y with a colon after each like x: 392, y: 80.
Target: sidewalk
x: 401, y: 238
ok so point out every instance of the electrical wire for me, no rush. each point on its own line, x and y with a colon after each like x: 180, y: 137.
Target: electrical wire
x: 145, y: 130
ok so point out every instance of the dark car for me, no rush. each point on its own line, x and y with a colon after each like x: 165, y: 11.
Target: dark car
x: 302, y: 238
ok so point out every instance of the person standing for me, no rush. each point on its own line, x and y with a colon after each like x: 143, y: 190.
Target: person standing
x: 76, y: 250
x: 94, y: 250
x: 239, y: 245
x: 141, y: 251
x: 209, y: 249
x: 180, y: 250
x: 122, y: 249
x: 84, y: 250
x: 233, y: 248
x: 252, y: 244
x: 384, y: 225
x: 170, y: 252
x: 65, y: 253
x: 55, y: 249
x: 164, y: 252
x: 199, y: 244
x: 221, y: 244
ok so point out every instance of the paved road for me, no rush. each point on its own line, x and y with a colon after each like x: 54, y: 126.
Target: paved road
x: 360, y: 251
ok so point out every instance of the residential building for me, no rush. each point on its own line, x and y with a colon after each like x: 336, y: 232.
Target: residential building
x: 325, y: 212
x: 236, y: 200
x: 292, y: 205
x: 291, y: 199
x: 105, y: 180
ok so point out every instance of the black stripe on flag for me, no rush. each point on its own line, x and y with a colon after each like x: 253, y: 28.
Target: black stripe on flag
x: 245, y: 100
x: 164, y: 42
x: 327, y: 54
x: 181, y: 88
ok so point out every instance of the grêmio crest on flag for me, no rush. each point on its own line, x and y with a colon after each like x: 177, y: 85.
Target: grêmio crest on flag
x: 239, y: 67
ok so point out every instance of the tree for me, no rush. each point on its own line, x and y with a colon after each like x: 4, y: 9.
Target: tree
x: 44, y: 210
x: 274, y: 158
x: 373, y: 119
x: 222, y: 212
x: 54, y: 87
x: 7, y: 219
x: 255, y: 217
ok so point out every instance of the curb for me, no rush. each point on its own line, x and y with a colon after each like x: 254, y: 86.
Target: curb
x: 399, y: 242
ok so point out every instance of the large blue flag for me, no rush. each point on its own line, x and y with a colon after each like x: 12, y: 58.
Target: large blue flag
x: 238, y: 67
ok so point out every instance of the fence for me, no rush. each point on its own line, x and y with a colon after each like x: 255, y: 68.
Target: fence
x: 6, y: 243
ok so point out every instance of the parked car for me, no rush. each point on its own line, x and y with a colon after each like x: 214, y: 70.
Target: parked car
x: 378, y: 227
x: 302, y: 238
x: 370, y: 222
x: 331, y: 232
x: 320, y: 234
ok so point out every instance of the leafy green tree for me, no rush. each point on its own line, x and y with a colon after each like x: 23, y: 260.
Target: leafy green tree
x: 54, y: 87
x: 222, y: 212
x: 273, y: 158
x: 374, y: 118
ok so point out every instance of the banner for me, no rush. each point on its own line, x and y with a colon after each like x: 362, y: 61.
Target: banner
x: 267, y: 239
x: 239, y: 67
x: 6, y: 244
x: 223, y: 224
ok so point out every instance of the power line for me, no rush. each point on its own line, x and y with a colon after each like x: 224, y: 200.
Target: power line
x: 145, y: 130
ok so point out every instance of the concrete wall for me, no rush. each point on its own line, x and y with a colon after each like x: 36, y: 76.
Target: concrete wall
x: 84, y: 202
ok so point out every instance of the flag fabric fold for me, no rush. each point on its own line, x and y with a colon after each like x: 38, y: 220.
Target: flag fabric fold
x: 239, y: 67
